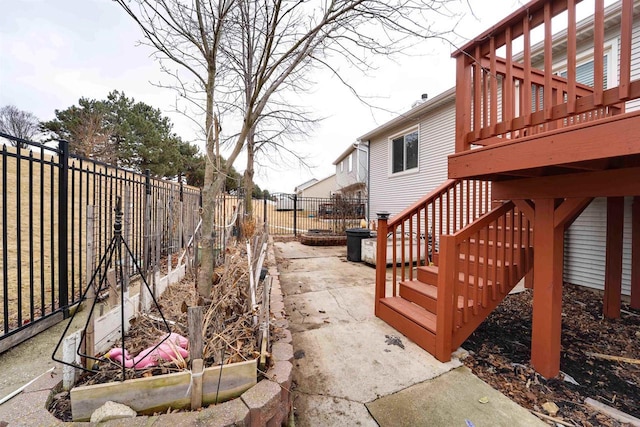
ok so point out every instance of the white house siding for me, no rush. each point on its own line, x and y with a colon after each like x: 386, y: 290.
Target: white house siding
x: 585, y: 240
x: 585, y: 247
x: 635, y: 61
x: 343, y: 175
x: 436, y: 141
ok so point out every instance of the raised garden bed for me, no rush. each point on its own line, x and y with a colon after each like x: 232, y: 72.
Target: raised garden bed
x: 320, y: 237
x: 231, y: 327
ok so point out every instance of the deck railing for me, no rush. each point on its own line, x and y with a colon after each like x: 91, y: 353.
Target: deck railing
x: 501, y: 96
x: 479, y: 265
x: 414, y: 234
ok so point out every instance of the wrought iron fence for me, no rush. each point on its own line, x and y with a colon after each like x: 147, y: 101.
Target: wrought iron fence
x: 57, y: 216
x: 292, y: 214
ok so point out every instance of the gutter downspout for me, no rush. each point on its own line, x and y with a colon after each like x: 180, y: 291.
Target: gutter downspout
x: 368, y: 180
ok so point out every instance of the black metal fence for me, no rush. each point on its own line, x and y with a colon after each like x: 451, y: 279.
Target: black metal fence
x: 57, y: 213
x: 57, y: 216
x: 292, y: 214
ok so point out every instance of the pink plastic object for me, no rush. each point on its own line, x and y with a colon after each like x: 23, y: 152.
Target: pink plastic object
x: 168, y: 350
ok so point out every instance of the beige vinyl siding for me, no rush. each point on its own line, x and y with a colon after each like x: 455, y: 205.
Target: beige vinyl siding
x: 585, y: 247
x: 393, y: 193
x: 585, y: 240
x: 322, y: 188
x: 635, y: 61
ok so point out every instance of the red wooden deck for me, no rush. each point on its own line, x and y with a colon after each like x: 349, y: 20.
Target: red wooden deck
x: 544, y: 146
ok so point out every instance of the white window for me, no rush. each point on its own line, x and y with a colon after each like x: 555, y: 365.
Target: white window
x: 404, y: 152
x: 350, y: 163
x: 584, y: 66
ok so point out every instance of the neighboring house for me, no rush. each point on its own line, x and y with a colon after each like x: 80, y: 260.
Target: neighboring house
x: 323, y: 188
x: 352, y: 171
x: 300, y: 188
x: 410, y: 153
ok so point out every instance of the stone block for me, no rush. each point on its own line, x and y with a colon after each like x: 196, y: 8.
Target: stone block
x: 42, y: 417
x: 263, y: 401
x: 282, y: 351
x: 277, y: 420
x: 231, y: 413
x: 277, y: 309
x: 282, y: 335
x: 142, y: 421
x: 281, y: 323
x: 112, y: 411
x: 282, y: 373
x: 180, y: 419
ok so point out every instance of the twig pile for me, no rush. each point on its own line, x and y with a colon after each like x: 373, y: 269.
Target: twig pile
x: 228, y: 319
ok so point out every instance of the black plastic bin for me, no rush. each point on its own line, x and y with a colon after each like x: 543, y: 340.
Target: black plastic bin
x: 354, y: 243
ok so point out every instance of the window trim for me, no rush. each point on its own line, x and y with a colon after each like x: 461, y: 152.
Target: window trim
x: 404, y: 132
x: 610, y: 49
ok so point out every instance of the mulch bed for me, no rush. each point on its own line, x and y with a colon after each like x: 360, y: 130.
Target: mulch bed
x: 500, y: 351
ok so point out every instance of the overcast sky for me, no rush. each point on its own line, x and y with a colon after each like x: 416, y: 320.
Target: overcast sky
x: 54, y: 52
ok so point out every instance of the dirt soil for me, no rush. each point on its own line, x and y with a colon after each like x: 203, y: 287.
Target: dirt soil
x: 500, y: 351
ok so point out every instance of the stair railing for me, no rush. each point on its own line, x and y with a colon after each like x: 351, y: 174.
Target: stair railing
x: 466, y: 285
x: 414, y: 234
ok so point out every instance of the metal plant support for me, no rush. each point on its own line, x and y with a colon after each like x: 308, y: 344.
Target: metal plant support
x: 106, y: 262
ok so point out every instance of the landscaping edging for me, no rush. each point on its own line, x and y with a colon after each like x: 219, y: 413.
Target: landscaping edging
x: 323, y: 240
x: 268, y: 403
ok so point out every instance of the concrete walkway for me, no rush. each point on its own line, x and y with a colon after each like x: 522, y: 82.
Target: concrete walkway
x: 352, y: 369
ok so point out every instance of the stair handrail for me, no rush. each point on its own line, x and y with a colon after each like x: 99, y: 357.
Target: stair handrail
x: 385, y: 224
x: 419, y: 204
x: 469, y: 230
x: 415, y: 231
x: 449, y: 272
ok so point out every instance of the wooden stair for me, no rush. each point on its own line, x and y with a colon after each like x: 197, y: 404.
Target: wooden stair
x: 484, y: 277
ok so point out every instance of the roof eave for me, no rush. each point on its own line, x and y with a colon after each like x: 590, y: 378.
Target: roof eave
x: 411, y: 114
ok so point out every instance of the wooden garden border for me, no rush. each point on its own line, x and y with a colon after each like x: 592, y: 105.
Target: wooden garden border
x: 158, y: 393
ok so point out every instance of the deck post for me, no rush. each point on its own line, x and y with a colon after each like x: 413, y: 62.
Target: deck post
x: 635, y: 253
x: 381, y: 259
x: 613, y: 264
x: 547, y: 289
x: 445, y: 304
x: 463, y: 102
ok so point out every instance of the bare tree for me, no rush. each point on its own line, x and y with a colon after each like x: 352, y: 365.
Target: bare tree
x: 18, y: 123
x: 189, y: 34
x: 271, y: 43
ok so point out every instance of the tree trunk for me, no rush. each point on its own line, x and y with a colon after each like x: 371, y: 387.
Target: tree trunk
x: 248, y: 173
x: 212, y: 187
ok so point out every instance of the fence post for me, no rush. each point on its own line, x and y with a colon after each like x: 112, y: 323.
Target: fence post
x: 264, y: 210
x: 126, y: 227
x: 160, y: 211
x: 295, y: 215
x: 63, y: 214
x: 89, y: 338
x: 181, y: 239
x: 145, y: 298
